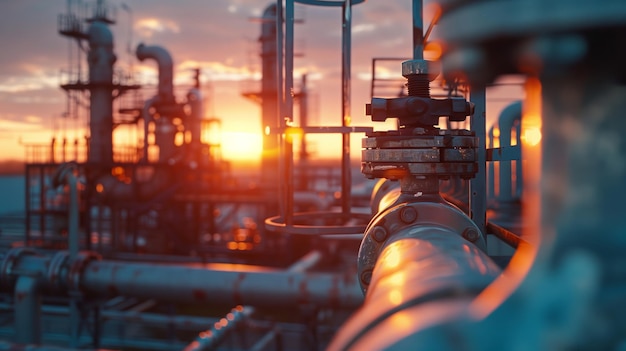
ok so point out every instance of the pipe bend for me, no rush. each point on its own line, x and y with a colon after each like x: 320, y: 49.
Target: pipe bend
x: 508, y: 116
x: 165, y: 66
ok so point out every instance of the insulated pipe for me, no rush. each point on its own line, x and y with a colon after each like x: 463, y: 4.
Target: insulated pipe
x: 165, y: 66
x: 508, y: 116
x: 101, y: 59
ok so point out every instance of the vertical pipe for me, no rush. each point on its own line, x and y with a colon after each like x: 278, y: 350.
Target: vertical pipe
x: 418, y: 30
x: 27, y: 310
x: 72, y: 215
x: 478, y: 184
x: 491, y: 172
x: 346, y: 201
x: 27, y: 205
x: 280, y: 102
x: 269, y: 100
x: 506, y: 122
x: 288, y: 113
x: 42, y: 203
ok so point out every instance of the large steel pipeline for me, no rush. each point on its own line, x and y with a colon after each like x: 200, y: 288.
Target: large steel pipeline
x: 425, y: 273
x: 175, y: 283
x: 183, y: 284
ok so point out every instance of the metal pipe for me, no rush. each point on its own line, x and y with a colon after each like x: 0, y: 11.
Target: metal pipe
x: 478, y: 184
x: 194, y: 125
x: 424, y: 265
x: 507, y: 118
x: 223, y: 287
x: 418, y: 30
x: 280, y: 101
x: 210, y: 339
x: 288, y: 112
x: 264, y: 342
x: 73, y: 244
x: 27, y: 310
x: 147, y: 118
x: 101, y: 59
x: 269, y: 101
x: 165, y: 66
x: 346, y: 50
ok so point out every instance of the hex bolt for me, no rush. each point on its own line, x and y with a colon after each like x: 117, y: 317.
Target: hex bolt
x: 470, y: 234
x: 408, y: 214
x: 379, y: 234
x: 366, y: 277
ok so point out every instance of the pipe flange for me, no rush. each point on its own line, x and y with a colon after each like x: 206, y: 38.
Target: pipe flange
x: 395, y: 219
x: 9, y: 261
x: 443, y: 153
x: 54, y: 273
x: 77, y: 266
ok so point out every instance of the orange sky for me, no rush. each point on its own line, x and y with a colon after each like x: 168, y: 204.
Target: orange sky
x: 216, y: 36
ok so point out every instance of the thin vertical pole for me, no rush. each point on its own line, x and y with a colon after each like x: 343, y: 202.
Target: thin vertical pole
x: 418, y: 30
x: 288, y: 114
x: 280, y: 107
x: 478, y: 185
x: 346, y: 173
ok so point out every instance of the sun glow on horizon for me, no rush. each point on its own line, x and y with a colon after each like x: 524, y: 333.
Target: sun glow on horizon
x: 241, y: 146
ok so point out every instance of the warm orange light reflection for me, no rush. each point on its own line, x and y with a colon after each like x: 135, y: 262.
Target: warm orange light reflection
x: 433, y: 50
x: 393, y: 257
x: 397, y: 279
x: 525, y: 255
x: 531, y: 136
x: 395, y: 297
x: 401, y: 321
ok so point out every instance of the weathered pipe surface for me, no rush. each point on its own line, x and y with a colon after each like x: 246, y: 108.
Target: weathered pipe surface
x: 176, y: 283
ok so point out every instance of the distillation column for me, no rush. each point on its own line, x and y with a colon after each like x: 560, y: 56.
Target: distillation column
x: 101, y: 59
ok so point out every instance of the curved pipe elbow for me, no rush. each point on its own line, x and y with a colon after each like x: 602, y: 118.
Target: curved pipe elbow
x: 165, y: 66
x: 509, y: 115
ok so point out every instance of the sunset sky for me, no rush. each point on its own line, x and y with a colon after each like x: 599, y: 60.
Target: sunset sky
x: 215, y: 35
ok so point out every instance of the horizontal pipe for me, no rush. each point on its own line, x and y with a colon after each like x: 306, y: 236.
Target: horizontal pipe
x: 220, y: 287
x: 508, y: 237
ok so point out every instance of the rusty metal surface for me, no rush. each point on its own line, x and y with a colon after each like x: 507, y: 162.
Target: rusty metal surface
x: 417, y: 141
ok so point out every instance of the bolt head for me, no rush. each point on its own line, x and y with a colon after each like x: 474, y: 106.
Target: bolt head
x: 379, y: 233
x: 412, y: 67
x: 366, y: 277
x: 408, y: 214
x: 470, y: 234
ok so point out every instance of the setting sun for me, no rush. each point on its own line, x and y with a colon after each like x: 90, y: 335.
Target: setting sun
x: 241, y: 146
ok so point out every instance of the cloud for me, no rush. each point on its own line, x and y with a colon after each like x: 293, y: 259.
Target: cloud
x: 219, y: 71
x: 148, y: 26
x: 364, y: 28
